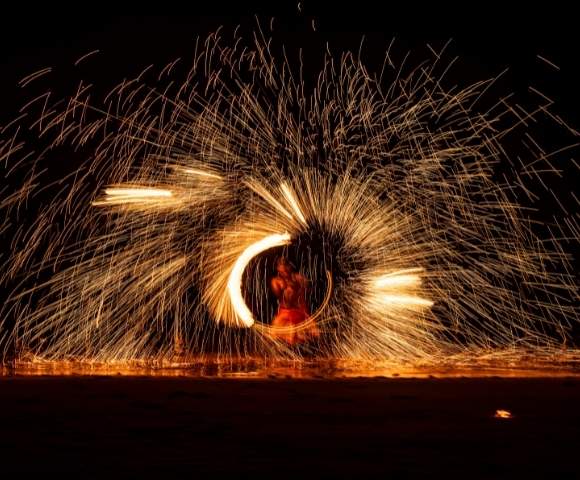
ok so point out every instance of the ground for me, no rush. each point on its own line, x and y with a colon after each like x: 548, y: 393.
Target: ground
x: 289, y: 428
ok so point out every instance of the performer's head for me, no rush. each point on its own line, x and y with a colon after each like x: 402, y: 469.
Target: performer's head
x: 284, y: 267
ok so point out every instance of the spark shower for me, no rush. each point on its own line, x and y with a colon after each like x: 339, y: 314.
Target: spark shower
x: 398, y: 197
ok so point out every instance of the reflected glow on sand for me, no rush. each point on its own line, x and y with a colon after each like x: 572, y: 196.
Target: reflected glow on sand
x: 506, y: 365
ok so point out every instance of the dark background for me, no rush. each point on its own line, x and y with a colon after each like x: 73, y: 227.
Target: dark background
x: 487, y: 37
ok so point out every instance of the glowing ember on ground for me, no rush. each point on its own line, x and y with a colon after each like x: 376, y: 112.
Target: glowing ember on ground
x: 505, y: 414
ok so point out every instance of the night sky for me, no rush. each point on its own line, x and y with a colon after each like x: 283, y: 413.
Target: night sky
x: 485, y: 37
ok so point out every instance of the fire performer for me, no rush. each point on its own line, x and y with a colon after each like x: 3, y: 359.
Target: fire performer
x: 290, y: 288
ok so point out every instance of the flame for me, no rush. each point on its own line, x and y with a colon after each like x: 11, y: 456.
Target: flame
x: 241, y: 310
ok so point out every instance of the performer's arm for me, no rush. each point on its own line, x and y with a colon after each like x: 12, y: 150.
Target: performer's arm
x: 304, y: 283
x: 276, y: 287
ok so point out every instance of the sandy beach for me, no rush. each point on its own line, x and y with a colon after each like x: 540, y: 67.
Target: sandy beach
x: 289, y: 428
